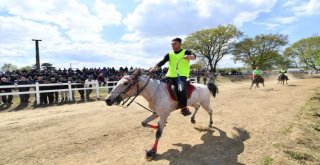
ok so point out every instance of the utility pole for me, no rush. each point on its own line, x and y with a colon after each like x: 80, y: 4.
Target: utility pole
x: 37, y: 54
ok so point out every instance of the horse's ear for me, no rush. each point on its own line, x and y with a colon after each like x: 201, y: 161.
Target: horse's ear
x: 137, y: 73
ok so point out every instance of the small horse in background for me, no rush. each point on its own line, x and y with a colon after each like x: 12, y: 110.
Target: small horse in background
x: 283, y: 78
x: 257, y: 80
x: 155, y: 92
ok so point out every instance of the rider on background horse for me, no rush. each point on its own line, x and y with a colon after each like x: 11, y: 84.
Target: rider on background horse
x: 179, y: 71
x: 256, y: 74
x: 283, y: 72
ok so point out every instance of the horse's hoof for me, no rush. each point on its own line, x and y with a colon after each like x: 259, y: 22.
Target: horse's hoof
x: 150, y: 154
x: 193, y: 121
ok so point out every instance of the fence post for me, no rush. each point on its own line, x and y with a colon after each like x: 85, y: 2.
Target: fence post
x: 97, y: 90
x: 70, y: 91
x: 37, y: 93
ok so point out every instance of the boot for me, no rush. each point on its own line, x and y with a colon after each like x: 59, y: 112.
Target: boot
x: 185, y: 111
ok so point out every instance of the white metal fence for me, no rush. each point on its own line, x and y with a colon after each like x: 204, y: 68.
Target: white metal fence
x: 70, y: 89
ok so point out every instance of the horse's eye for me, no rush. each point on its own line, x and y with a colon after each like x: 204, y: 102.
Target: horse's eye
x: 125, y: 84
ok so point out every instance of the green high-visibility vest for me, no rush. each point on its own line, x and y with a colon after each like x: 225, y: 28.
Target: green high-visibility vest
x: 283, y: 71
x: 183, y: 66
x: 257, y: 72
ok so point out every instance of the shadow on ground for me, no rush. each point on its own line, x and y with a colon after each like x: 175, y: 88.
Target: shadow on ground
x: 217, y: 150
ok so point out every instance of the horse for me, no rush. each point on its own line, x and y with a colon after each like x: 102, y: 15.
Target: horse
x: 257, y: 80
x: 160, y: 103
x: 283, y: 78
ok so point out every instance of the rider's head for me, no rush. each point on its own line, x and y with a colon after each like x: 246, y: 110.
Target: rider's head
x: 176, y: 44
x: 257, y: 67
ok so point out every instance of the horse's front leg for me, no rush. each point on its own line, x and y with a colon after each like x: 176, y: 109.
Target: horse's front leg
x: 151, y: 117
x: 251, y: 84
x: 152, y: 152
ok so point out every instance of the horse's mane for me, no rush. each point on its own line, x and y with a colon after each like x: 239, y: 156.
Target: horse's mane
x: 137, y: 72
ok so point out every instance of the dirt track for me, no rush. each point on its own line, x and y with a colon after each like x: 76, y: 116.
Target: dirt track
x: 247, y: 124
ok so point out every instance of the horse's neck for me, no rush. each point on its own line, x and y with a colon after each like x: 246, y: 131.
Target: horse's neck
x: 149, y: 92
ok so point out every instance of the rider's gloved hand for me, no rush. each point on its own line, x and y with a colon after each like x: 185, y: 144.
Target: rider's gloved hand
x: 154, y: 69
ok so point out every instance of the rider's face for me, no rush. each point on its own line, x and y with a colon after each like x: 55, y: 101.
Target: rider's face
x: 176, y: 46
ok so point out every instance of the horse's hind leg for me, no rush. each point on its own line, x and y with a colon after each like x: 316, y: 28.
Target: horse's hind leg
x: 209, y: 110
x: 196, y: 107
x: 151, y: 117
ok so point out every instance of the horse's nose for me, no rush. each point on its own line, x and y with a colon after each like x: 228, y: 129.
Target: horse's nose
x: 108, y: 102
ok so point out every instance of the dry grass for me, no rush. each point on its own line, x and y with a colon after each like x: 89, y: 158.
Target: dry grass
x: 301, y: 138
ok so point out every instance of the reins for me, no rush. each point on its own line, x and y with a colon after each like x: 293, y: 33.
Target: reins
x: 130, y: 99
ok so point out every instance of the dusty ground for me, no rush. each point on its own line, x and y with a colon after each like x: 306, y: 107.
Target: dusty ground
x: 247, y: 124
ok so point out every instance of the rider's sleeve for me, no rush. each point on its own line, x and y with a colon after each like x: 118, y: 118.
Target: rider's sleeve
x: 188, y: 52
x: 163, y: 61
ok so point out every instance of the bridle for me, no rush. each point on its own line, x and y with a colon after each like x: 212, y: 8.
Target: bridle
x: 126, y: 103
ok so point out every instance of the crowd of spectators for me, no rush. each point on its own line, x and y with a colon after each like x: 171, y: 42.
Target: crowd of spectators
x: 52, y: 75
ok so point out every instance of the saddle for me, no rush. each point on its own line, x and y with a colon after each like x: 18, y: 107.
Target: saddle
x: 283, y: 77
x: 258, y: 79
x: 173, y: 95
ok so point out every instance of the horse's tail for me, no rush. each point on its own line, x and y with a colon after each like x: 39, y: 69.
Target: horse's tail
x: 213, y: 89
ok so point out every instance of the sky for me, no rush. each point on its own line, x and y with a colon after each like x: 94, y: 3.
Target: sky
x: 138, y: 33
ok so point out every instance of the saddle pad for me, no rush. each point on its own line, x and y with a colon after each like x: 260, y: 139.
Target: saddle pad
x: 190, y: 89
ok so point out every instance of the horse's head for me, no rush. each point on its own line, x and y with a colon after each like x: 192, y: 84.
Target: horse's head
x: 125, y: 88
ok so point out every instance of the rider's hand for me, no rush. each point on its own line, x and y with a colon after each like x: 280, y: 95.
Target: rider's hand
x: 154, y: 69
x: 189, y: 57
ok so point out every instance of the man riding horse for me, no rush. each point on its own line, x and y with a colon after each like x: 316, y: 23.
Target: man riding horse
x: 283, y: 73
x: 257, y: 75
x: 178, y: 72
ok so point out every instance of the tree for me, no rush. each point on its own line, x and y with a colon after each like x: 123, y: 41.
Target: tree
x: 282, y: 61
x: 307, y: 51
x: 8, y: 67
x: 195, y: 66
x: 213, y: 44
x: 26, y: 68
x: 203, y: 62
x: 259, y: 51
x: 46, y: 65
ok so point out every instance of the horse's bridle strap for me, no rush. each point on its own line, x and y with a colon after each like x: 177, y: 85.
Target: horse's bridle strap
x: 136, y: 95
